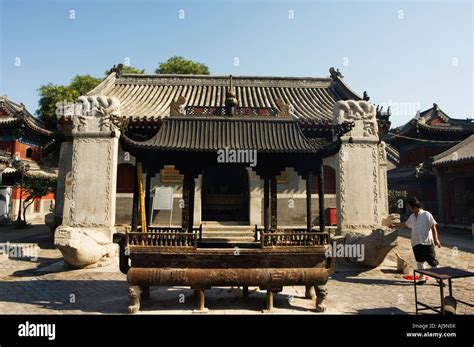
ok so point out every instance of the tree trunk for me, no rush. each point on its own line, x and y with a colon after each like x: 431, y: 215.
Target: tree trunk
x: 25, y: 207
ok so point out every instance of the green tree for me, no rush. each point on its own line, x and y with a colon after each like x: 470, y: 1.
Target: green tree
x: 51, y: 94
x: 35, y: 187
x: 179, y: 65
x: 81, y: 85
x: 394, y: 197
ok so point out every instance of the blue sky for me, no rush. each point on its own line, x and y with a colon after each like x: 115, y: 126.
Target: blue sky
x: 408, y: 54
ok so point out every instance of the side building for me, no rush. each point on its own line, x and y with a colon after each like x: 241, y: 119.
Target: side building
x: 22, y: 138
x: 454, y: 172
x: 427, y: 135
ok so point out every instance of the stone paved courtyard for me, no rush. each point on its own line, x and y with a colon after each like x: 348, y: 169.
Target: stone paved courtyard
x: 44, y: 286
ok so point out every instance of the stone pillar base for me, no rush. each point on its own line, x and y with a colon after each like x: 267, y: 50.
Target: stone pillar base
x: 86, y: 247
x: 375, y: 246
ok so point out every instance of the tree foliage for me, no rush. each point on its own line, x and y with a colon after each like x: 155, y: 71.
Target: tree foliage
x: 51, y: 94
x: 35, y: 187
x: 179, y: 65
x: 394, y: 197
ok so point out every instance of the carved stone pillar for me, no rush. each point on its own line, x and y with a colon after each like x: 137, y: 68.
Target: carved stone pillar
x: 383, y: 182
x: 256, y: 195
x: 85, y: 238
x: 64, y: 168
x: 361, y: 185
x: 357, y: 169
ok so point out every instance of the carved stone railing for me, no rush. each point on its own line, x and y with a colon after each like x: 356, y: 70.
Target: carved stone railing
x: 293, y: 238
x: 164, y: 237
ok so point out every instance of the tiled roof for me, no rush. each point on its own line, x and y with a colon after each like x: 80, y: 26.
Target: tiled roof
x: 149, y: 96
x: 460, y: 153
x: 435, y: 120
x: 214, y: 133
x: 392, y: 154
x: 18, y: 115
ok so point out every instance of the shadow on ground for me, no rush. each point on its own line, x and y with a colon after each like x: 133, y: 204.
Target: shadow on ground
x: 110, y: 297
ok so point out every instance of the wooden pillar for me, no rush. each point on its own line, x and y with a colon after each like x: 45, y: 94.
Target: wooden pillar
x: 266, y: 201
x: 322, y: 218
x: 141, y: 197
x: 185, y: 209
x: 191, y: 187
x: 134, y: 224
x: 274, y: 201
x: 149, y: 175
x: 309, y: 218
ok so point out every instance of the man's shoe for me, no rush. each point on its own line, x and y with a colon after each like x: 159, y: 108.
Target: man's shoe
x: 421, y: 282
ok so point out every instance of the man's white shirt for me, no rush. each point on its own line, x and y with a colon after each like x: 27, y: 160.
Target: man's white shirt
x: 420, y: 226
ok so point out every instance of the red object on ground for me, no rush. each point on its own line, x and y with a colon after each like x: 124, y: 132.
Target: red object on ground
x: 331, y: 216
x: 410, y: 277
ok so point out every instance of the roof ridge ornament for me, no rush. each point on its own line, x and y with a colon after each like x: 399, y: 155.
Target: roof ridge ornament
x: 335, y: 73
x: 177, y: 106
x: 283, y: 109
x: 231, y: 101
x: 366, y: 96
x: 117, y: 69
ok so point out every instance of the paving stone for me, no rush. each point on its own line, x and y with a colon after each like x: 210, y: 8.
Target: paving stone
x: 104, y: 290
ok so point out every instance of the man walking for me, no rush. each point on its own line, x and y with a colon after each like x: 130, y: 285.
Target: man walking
x: 424, y: 236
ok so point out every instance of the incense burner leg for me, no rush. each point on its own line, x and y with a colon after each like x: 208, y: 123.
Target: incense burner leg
x: 134, y: 296
x: 321, y: 293
x: 309, y: 292
x: 201, y: 301
x: 269, y: 300
x: 245, y: 291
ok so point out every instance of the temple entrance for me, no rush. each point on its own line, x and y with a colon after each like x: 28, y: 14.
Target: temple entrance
x: 225, y: 194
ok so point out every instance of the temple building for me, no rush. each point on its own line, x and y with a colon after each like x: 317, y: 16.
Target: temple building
x: 454, y: 172
x: 428, y: 134
x: 146, y: 101
x: 22, y: 137
x: 176, y: 156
